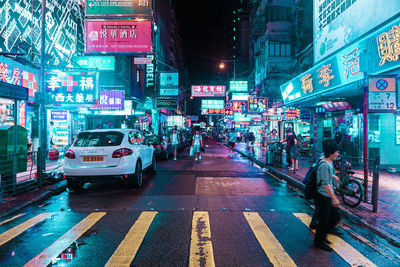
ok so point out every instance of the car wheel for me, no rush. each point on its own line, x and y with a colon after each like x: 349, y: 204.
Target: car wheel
x: 153, y: 166
x: 74, y: 185
x: 136, y: 180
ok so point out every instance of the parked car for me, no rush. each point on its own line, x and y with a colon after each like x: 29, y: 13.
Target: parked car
x: 162, y: 147
x: 108, y: 155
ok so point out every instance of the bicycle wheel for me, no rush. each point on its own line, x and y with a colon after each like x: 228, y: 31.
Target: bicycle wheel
x: 352, y: 193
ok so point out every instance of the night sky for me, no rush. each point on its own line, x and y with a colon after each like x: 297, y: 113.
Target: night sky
x: 206, y: 33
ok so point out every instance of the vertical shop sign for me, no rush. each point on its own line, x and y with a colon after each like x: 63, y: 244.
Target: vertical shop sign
x: 111, y: 100
x: 149, y: 82
x: 22, y: 114
x: 398, y: 129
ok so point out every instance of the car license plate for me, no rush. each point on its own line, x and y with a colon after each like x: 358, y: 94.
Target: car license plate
x: 93, y: 158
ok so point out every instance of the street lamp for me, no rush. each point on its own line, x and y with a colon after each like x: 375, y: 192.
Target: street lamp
x: 221, y: 66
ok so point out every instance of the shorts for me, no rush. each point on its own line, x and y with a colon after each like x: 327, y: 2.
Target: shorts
x: 231, y: 144
x: 292, y: 152
x: 174, y: 147
x: 196, y: 149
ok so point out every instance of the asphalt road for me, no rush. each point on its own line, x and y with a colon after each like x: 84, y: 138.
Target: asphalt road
x: 216, y: 212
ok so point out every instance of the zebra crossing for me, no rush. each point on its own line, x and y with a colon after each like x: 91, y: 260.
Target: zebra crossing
x: 201, y: 248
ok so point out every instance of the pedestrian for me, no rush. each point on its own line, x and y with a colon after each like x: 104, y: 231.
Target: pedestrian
x: 325, y: 199
x: 273, y: 145
x: 251, y: 139
x: 291, y: 142
x: 175, y: 142
x: 231, y: 141
x: 196, y: 144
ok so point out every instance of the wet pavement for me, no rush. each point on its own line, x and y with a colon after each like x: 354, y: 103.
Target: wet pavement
x: 220, y: 211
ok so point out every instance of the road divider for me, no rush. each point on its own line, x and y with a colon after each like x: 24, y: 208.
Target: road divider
x: 201, y: 250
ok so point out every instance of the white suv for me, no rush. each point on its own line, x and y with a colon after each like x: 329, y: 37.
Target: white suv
x: 107, y: 155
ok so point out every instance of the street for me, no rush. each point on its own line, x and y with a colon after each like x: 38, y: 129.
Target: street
x: 219, y: 211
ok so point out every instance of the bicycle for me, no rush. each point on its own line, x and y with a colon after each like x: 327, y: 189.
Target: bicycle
x: 350, y: 189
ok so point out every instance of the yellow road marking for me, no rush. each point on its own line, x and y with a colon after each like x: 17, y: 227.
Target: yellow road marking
x: 17, y: 230
x: 271, y: 246
x: 13, y: 218
x: 128, y: 248
x: 52, y: 251
x: 201, y: 250
x: 342, y: 248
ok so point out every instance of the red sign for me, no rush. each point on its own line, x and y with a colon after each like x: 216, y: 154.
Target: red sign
x: 336, y: 106
x: 118, y: 36
x: 216, y: 111
x: 208, y: 90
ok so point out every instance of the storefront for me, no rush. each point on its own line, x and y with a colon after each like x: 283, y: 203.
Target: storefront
x: 339, y: 79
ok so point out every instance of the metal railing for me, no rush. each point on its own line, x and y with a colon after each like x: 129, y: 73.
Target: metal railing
x: 25, y: 171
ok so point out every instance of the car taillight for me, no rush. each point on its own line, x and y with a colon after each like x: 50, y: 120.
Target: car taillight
x: 70, y: 154
x: 119, y: 153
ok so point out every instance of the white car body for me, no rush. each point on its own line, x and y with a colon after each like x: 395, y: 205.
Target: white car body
x: 110, y: 167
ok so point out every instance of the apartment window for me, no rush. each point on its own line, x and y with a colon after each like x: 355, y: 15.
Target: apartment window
x: 279, y: 49
x: 278, y: 13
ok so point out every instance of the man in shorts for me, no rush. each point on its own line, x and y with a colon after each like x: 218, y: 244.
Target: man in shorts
x: 231, y: 141
x: 175, y: 142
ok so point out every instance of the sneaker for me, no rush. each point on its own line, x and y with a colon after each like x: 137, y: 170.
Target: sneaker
x: 322, y: 245
x: 174, y: 158
x: 196, y: 159
x: 199, y: 157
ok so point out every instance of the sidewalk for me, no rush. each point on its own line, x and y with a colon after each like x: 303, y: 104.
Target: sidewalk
x: 386, y: 221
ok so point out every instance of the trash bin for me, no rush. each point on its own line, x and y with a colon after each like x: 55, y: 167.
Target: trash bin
x: 6, y: 154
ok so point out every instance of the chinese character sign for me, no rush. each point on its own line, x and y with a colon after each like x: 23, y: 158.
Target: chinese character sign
x: 111, y: 100
x: 121, y: 7
x: 258, y: 104
x: 208, y: 90
x: 212, y: 104
x: 71, y: 88
x: 118, y: 36
x: 389, y: 45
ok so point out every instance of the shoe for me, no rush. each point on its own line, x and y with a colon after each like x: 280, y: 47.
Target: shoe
x: 322, y: 245
x: 199, y: 157
x: 196, y: 159
x: 174, y: 158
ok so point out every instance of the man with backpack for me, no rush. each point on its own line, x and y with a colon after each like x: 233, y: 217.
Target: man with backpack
x: 320, y: 187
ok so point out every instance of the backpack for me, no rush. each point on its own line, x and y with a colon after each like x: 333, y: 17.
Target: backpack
x: 310, y: 180
x: 251, y: 137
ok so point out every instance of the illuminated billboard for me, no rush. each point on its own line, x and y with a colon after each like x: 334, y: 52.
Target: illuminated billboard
x: 258, y: 104
x: 208, y: 90
x: 238, y: 86
x: 338, y: 23
x: 121, y: 7
x: 212, y: 104
x: 19, y: 33
x: 118, y: 36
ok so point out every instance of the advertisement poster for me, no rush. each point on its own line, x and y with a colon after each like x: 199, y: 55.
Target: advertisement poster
x: 338, y: 23
x: 118, y: 36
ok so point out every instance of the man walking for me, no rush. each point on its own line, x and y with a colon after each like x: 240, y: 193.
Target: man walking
x: 175, y: 142
x: 231, y: 141
x: 196, y: 144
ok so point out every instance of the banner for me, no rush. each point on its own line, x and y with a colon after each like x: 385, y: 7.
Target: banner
x: 118, y: 36
x: 208, y: 90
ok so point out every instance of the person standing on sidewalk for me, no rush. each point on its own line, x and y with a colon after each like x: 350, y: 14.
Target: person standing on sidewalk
x: 175, y: 142
x: 231, y: 141
x: 291, y: 142
x: 273, y: 141
x: 196, y: 144
x: 325, y: 199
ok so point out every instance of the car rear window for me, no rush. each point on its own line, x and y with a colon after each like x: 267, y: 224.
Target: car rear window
x: 95, y: 139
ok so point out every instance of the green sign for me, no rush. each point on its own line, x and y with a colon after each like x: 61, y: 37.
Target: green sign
x: 212, y: 104
x: 95, y: 62
x: 120, y: 7
x: 238, y: 86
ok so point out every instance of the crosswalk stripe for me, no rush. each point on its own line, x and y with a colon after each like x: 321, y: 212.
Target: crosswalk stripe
x: 17, y: 230
x: 11, y: 219
x: 201, y: 250
x: 128, y: 248
x: 52, y: 251
x: 342, y: 248
x: 271, y: 246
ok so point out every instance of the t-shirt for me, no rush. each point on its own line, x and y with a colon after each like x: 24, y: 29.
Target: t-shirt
x: 231, y: 137
x: 251, y: 137
x: 175, y: 139
x: 197, y: 140
x: 325, y: 174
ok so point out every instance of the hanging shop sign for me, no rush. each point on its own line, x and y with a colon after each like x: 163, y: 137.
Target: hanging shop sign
x: 127, y: 110
x: 58, y: 115
x: 149, y: 78
x: 111, y: 100
x: 20, y: 29
x: 95, y: 62
x: 257, y: 104
x: 118, y: 36
x: 212, y: 104
x: 15, y: 73
x: 22, y: 114
x: 240, y: 97
x: 142, y: 60
x: 238, y: 86
x: 167, y: 103
x: 398, y: 130
x: 291, y: 113
x: 344, y: 67
x: 335, y: 106
x: 169, y: 84
x: 334, y: 25
x: 237, y: 106
x: 212, y: 111
x: 240, y: 117
x: 71, y: 88
x: 121, y: 7
x: 305, y: 114
x: 208, y: 90
x: 173, y: 121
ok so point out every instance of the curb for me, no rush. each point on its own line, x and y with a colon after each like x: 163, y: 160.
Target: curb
x: 62, y: 186
x: 348, y: 214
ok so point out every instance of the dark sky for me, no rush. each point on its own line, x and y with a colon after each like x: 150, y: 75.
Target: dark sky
x: 206, y: 33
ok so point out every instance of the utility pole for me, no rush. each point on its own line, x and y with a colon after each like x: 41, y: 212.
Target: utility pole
x: 42, y: 131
